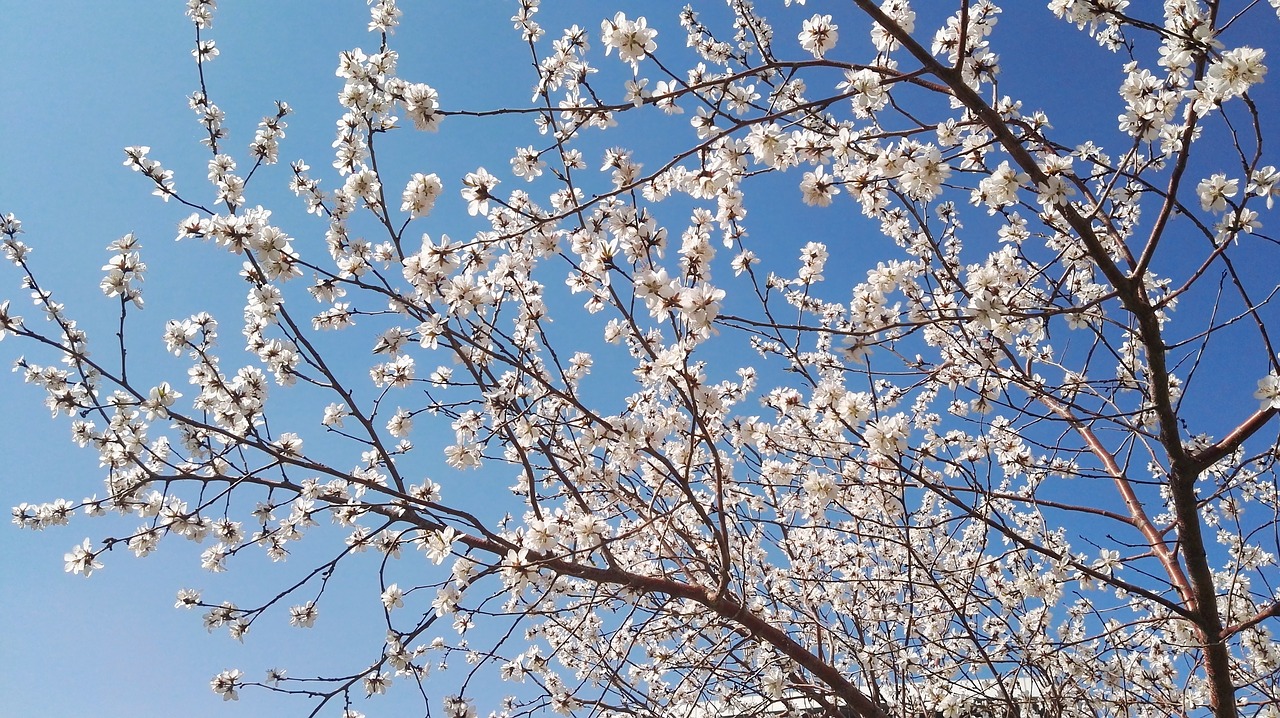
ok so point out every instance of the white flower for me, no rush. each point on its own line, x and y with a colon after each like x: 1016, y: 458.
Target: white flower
x: 396, y: 373
x: 887, y: 436
x: 1236, y: 71
x: 377, y: 683
x: 162, y: 397
x: 1265, y: 182
x: 204, y: 51
x: 476, y: 187
x: 303, y: 616
x: 700, y: 305
x: 635, y: 91
x: 400, y: 424
x: 456, y: 707
x: 924, y: 173
x: 1268, y: 392
x: 187, y: 598
x: 1054, y: 191
x: 438, y: 544
x: 420, y: 194
x: 8, y: 322
x: 1000, y: 189
x: 1215, y: 191
x: 363, y: 184
x: 422, y: 105
x: 773, y: 683
x: 867, y: 93
x: 818, y: 34
x: 214, y: 558
x: 393, y: 597
x: 225, y: 683
x: 334, y: 414
x: 1108, y: 561
x: 446, y: 600
x: 770, y: 146
x: 82, y: 559
x: 818, y: 188
x: 527, y: 163
x: 633, y: 39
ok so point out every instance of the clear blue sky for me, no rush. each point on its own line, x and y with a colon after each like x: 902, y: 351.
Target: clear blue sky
x: 81, y: 81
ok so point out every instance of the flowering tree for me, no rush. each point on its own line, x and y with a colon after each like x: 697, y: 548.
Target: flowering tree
x: 1026, y: 465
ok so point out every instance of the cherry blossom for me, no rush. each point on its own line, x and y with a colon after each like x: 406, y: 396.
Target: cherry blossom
x: 1268, y: 392
x: 818, y: 35
x: 632, y: 38
x: 957, y: 437
x: 1215, y: 191
x: 81, y: 558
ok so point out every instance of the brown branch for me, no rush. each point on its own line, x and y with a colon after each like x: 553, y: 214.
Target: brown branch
x: 1271, y: 611
x: 1207, y: 456
x: 725, y: 606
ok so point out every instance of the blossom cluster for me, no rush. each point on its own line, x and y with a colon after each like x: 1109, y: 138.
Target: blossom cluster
x: 746, y: 472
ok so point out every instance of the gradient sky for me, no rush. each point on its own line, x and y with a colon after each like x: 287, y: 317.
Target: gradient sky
x: 81, y: 81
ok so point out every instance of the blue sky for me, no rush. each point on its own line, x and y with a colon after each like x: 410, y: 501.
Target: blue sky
x: 80, y: 83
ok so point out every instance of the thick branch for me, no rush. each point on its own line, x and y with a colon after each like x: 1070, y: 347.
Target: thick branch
x: 1207, y: 456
